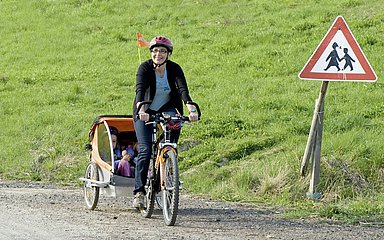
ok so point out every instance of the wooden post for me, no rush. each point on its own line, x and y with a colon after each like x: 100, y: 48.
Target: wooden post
x: 314, y: 144
x: 312, y: 131
x: 311, y: 139
x: 315, y: 173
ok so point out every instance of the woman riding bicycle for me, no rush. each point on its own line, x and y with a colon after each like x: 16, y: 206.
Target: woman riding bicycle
x: 163, y: 82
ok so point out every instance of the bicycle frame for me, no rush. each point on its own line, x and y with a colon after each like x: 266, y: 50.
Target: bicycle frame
x: 160, y: 150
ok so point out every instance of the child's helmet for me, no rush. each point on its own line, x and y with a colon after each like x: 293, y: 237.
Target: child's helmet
x: 161, y: 41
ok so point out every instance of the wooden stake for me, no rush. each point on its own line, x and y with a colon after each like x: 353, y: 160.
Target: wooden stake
x: 312, y: 131
x: 309, y: 147
x: 315, y: 173
x: 314, y: 144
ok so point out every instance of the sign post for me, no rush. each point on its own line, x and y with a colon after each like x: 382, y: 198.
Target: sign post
x: 314, y: 142
x: 337, y: 58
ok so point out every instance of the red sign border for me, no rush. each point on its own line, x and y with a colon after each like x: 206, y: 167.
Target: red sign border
x: 339, y: 24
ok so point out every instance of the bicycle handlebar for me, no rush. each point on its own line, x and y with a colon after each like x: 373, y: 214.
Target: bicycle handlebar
x: 159, y: 117
x: 156, y: 117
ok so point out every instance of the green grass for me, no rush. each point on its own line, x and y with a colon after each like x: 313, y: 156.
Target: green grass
x: 62, y: 63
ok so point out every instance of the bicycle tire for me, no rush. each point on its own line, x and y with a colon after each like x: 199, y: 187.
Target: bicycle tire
x: 91, y: 193
x: 149, y: 198
x: 170, y: 192
x: 159, y: 201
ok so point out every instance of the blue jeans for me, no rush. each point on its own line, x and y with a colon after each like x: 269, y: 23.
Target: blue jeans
x: 144, y: 139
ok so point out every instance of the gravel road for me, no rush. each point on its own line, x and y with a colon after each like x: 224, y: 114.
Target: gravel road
x: 34, y: 211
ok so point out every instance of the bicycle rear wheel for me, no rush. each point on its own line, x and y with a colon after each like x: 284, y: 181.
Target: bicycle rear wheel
x: 149, y: 198
x: 170, y: 192
x: 91, y: 193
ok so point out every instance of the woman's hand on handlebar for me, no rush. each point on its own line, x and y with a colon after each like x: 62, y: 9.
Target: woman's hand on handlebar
x: 193, y: 113
x: 193, y: 116
x: 143, y: 116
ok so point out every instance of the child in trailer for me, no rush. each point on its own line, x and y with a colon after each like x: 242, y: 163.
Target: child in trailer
x: 123, y: 156
x: 117, y: 155
x: 126, y: 165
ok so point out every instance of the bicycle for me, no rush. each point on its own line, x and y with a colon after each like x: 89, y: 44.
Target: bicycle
x: 163, y: 173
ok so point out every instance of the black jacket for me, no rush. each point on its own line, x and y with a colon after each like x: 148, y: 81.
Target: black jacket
x: 146, y: 85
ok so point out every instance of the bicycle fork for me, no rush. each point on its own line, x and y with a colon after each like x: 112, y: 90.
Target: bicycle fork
x: 160, y: 161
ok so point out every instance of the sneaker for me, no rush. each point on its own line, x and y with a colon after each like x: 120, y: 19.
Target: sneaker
x: 138, y: 201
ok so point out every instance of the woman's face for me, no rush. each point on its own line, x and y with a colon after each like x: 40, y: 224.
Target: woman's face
x: 159, y: 54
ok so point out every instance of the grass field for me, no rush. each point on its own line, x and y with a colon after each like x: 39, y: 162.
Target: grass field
x: 63, y: 63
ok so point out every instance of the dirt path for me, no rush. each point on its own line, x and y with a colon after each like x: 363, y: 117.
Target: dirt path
x: 32, y: 211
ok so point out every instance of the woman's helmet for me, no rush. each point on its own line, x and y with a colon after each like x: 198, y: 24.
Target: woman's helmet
x: 161, y: 41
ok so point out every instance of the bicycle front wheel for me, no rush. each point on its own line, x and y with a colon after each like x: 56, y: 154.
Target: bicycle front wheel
x: 170, y: 191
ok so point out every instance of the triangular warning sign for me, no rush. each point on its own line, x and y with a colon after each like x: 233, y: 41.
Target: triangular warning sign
x: 338, y: 58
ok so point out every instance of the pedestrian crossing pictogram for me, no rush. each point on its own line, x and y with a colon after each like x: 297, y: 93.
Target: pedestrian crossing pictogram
x: 338, y: 58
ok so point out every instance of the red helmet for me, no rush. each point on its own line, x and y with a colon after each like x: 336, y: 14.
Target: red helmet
x: 161, y: 41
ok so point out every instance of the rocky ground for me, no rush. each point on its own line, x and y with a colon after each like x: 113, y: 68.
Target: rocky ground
x: 34, y: 211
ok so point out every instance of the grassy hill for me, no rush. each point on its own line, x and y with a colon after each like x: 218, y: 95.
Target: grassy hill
x: 62, y: 63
